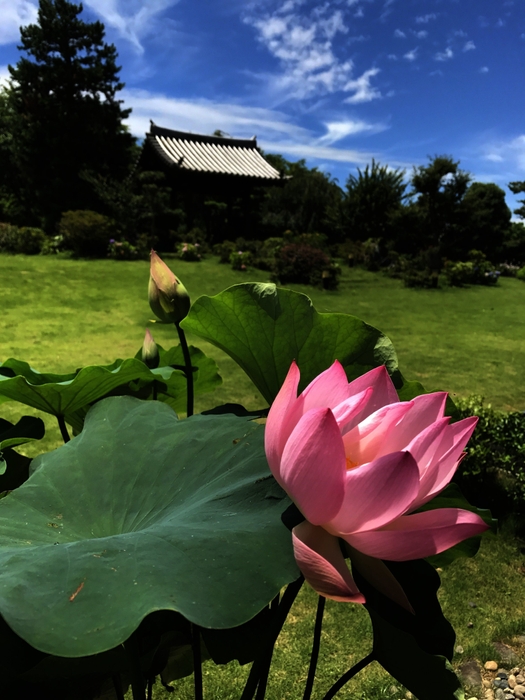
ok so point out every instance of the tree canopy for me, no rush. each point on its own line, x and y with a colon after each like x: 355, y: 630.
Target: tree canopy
x: 61, y: 112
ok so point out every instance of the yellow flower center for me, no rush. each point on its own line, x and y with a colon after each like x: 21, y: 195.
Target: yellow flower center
x: 350, y: 464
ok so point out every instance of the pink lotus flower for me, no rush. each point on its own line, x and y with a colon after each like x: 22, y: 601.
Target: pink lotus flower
x: 357, y: 462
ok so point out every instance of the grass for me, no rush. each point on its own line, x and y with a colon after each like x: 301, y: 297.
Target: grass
x: 60, y: 314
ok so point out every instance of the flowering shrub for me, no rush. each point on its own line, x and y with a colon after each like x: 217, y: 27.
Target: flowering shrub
x: 477, y: 270
x: 224, y: 251
x: 240, y: 260
x: 124, y: 250
x: 190, y: 252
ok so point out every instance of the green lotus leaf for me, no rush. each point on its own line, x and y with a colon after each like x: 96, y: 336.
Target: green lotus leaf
x: 263, y: 328
x: 142, y: 512
x: 27, y: 429
x: 68, y: 394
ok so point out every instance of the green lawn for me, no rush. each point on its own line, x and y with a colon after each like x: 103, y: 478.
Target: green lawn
x: 60, y: 314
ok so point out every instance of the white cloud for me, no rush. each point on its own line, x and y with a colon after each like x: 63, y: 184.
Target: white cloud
x: 484, y: 69
x: 205, y: 116
x: 445, y: 55
x: 15, y: 14
x: 469, y: 46
x: 359, y: 12
x: 392, y: 57
x: 304, y: 46
x: 399, y: 34
x: 425, y: 19
x: 421, y: 34
x: 132, y: 19
x: 4, y: 75
x: 411, y: 55
x: 511, y: 153
x: 309, y: 150
x: 350, y: 127
x: 363, y: 91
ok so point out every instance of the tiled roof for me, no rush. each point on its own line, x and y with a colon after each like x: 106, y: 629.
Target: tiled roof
x: 211, y: 154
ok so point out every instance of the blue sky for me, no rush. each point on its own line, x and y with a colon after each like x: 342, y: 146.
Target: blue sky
x: 336, y: 82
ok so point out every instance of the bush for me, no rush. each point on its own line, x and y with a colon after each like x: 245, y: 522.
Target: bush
x: 86, y: 233
x: 189, y: 252
x: 241, y: 259
x: 52, y: 245
x: 508, y: 270
x: 302, y: 264
x: 25, y: 240
x: 224, y: 251
x: 493, y: 472
x: 477, y: 270
x: 124, y: 250
x: 520, y: 274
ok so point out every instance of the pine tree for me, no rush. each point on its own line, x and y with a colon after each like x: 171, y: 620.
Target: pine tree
x: 64, y: 118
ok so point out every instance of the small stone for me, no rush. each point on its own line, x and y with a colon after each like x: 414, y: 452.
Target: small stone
x: 472, y: 605
x: 520, y: 679
x: 459, y: 649
x: 514, y: 671
x: 470, y: 674
x: 499, y: 694
x: 518, y: 694
x: 519, y: 689
x: 491, y: 666
x: 470, y: 625
x: 487, y: 683
x: 507, y: 654
x: 489, y: 694
x: 472, y: 698
x: 502, y: 673
x: 512, y: 681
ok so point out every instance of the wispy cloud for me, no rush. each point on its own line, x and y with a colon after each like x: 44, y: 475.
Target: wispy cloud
x: 469, y: 46
x: 411, y: 55
x: 336, y: 131
x: 15, y: 14
x: 4, y: 75
x: 205, y: 116
x: 132, y: 19
x: 422, y: 34
x: 445, y: 55
x: 362, y: 89
x: 399, y: 34
x: 511, y: 152
x: 425, y: 19
x: 305, y: 46
x: 484, y: 69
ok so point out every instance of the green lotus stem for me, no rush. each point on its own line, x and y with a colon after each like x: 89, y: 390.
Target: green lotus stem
x: 117, y: 684
x: 282, y: 611
x: 197, y: 660
x: 263, y: 678
x: 151, y: 682
x: 131, y: 648
x: 188, y: 369
x: 63, y: 428
x: 316, y: 645
x: 359, y: 666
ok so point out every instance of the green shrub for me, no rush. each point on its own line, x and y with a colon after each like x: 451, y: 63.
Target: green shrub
x: 52, y: 245
x: 189, y: 252
x: 224, y: 250
x: 25, y: 240
x: 477, y: 270
x: 520, y: 274
x: 302, y: 264
x: 86, y: 233
x: 241, y: 259
x: 124, y: 250
x: 493, y: 472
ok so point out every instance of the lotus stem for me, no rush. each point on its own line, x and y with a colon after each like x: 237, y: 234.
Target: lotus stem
x: 281, y: 613
x: 63, y: 429
x: 197, y: 660
x: 188, y: 369
x: 359, y: 666
x: 316, y: 645
x: 117, y: 684
x: 138, y: 687
x: 265, y: 671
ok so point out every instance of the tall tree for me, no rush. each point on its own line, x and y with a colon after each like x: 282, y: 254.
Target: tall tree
x: 486, y: 220
x: 64, y: 117
x: 439, y: 188
x: 372, y: 200
x: 518, y: 188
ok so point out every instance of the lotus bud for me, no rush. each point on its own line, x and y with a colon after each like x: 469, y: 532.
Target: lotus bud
x: 150, y: 351
x: 168, y: 297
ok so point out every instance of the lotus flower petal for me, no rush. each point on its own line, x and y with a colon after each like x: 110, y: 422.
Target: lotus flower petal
x: 328, y: 389
x: 419, y: 535
x: 321, y: 562
x: 313, y: 466
x: 282, y: 419
x: 377, y: 493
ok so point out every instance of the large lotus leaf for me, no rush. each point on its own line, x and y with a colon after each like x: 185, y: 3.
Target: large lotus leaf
x: 142, y: 512
x: 264, y: 328
x: 27, y: 429
x: 67, y: 394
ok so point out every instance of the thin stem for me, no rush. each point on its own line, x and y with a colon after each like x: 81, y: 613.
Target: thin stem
x: 197, y: 660
x: 137, y: 679
x: 282, y: 611
x: 117, y: 684
x: 151, y: 682
x: 316, y: 645
x: 63, y: 429
x: 265, y: 671
x: 360, y: 665
x: 188, y: 370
